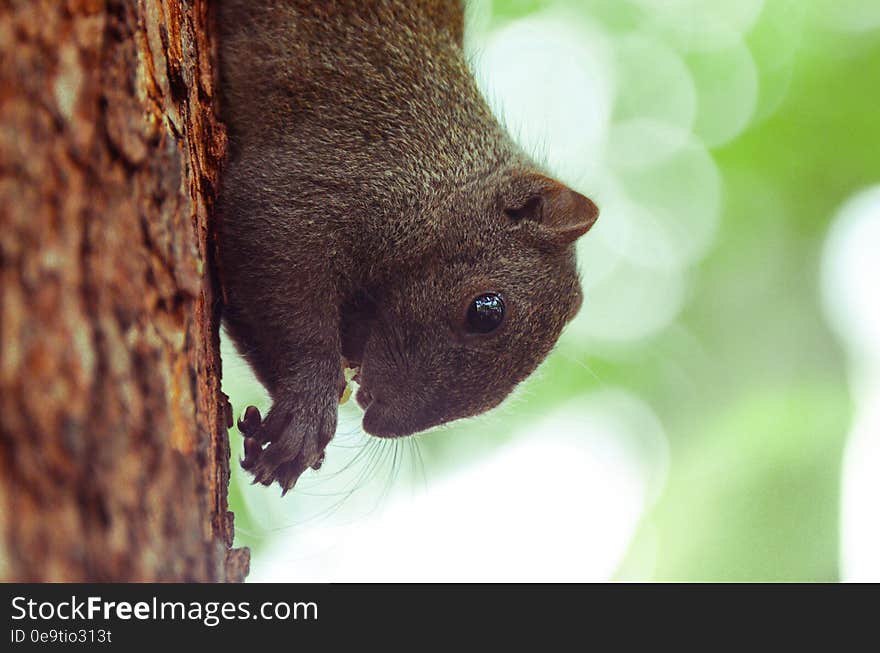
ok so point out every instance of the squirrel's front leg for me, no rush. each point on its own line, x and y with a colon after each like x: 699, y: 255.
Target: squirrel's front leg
x: 305, y: 380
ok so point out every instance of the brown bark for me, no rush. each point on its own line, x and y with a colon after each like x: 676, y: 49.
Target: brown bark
x: 113, y: 448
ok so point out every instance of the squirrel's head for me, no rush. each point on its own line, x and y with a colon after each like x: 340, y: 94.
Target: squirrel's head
x: 454, y: 338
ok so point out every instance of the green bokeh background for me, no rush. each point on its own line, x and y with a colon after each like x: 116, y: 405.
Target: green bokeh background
x: 757, y: 429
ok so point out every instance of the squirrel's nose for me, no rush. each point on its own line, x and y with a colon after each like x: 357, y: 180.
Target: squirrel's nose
x: 381, y: 422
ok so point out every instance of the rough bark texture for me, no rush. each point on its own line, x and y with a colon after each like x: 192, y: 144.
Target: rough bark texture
x: 113, y: 448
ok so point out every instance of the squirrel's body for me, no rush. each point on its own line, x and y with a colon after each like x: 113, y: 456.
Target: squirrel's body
x: 369, y: 196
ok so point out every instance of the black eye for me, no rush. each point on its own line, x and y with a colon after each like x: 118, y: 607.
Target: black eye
x: 485, y: 313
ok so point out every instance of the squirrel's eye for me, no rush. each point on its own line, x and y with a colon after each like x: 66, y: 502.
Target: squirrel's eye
x: 485, y: 313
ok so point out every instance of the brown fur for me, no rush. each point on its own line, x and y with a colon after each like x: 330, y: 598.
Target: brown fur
x: 369, y: 196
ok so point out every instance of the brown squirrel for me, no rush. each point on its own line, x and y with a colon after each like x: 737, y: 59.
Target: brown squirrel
x: 374, y: 211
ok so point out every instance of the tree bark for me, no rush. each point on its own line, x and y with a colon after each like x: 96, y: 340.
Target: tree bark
x: 113, y: 447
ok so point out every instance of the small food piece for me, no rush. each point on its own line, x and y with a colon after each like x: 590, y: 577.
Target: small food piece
x: 350, y: 373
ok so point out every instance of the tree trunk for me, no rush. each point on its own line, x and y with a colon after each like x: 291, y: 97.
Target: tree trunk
x: 113, y: 448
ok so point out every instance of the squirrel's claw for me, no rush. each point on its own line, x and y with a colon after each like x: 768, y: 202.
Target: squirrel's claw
x: 276, y: 450
x: 249, y: 423
x: 252, y: 451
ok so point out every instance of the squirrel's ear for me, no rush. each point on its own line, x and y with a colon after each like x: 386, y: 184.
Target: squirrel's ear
x: 568, y: 214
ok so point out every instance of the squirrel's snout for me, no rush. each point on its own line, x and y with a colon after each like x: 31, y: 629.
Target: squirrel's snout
x: 380, y: 422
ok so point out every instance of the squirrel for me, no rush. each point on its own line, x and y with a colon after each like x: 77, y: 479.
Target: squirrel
x: 375, y: 214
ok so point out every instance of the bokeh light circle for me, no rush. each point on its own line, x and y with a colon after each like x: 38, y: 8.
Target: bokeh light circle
x: 654, y: 83
x: 727, y: 92
x: 548, y: 79
x: 851, y: 271
x: 702, y: 24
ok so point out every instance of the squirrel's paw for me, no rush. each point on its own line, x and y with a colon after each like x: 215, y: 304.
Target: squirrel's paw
x: 281, y: 447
